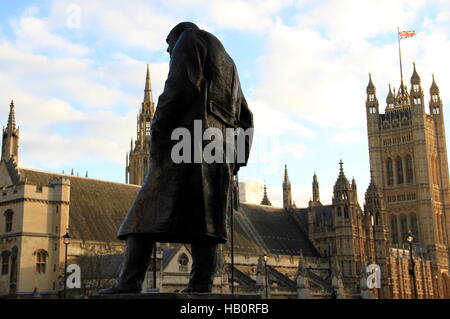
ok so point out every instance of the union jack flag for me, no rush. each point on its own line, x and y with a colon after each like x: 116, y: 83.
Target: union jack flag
x: 406, y: 34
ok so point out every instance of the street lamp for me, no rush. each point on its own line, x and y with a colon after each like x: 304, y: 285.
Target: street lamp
x: 66, y: 239
x: 265, y: 276
x: 410, y: 239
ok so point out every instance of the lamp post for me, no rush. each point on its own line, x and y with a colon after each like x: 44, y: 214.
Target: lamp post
x: 410, y: 239
x: 265, y: 276
x: 66, y: 239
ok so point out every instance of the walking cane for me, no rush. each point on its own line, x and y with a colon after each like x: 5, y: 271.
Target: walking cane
x: 232, y: 236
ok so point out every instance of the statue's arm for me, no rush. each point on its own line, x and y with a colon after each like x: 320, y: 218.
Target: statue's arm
x: 246, y: 123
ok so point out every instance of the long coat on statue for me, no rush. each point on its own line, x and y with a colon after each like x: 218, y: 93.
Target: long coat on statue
x: 189, y: 201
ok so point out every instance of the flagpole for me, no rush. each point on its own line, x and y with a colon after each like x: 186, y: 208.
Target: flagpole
x: 400, y: 57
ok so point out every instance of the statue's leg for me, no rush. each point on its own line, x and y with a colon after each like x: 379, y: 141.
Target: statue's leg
x: 203, y: 267
x: 137, y: 256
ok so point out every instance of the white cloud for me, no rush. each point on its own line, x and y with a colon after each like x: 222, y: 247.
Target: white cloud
x: 134, y: 23
x: 32, y: 33
x: 348, y: 137
x: 318, y: 69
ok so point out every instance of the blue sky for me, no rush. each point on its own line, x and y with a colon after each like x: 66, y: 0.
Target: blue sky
x: 303, y: 65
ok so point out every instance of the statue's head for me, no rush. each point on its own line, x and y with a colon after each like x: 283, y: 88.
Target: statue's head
x: 175, y: 33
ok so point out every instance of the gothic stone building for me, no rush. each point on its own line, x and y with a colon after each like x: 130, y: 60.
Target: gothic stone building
x: 408, y: 155
x: 321, y: 251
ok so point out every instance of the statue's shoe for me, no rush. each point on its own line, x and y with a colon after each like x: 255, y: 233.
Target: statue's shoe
x: 114, y: 290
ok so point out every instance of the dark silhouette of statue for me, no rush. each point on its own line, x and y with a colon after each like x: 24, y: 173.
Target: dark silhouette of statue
x: 187, y: 202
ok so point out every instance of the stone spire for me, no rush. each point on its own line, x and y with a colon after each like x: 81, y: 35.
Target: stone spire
x: 11, y: 126
x: 315, y: 189
x: 265, y: 200
x: 287, y: 194
x: 10, y: 142
x: 148, y: 97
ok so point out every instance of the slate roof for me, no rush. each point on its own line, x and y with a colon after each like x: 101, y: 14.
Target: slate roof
x: 272, y: 230
x: 98, y: 207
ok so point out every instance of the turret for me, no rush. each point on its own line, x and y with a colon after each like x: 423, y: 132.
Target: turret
x: 416, y: 90
x: 265, y: 200
x: 342, y: 194
x: 371, y: 101
x: 390, y: 99
x: 435, y: 99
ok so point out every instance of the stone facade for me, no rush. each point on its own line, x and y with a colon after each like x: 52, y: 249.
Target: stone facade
x: 408, y: 156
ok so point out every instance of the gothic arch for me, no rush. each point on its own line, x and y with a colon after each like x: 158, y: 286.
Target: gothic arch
x: 409, y: 169
x: 9, y: 215
x: 6, y: 254
x: 389, y: 171
x: 41, y: 260
x: 399, y: 170
x: 403, y: 228
x: 394, y: 229
x: 183, y: 262
x: 414, y: 226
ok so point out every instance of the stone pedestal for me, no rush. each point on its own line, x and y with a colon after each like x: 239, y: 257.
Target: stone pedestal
x: 176, y: 296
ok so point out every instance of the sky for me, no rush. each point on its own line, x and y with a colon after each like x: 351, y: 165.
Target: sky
x: 76, y: 70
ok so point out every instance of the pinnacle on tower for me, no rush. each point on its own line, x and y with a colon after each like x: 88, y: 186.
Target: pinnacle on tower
x: 287, y: 195
x: 11, y: 118
x: 390, y: 99
x: 342, y: 181
x: 148, y: 98
x: 415, y: 78
x: 315, y: 189
x: 434, y: 89
x: 265, y: 200
x: 370, y: 87
x: 286, y: 177
x: 10, y: 142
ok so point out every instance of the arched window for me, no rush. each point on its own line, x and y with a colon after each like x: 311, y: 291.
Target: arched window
x: 8, y: 220
x: 409, y: 169
x: 41, y: 261
x: 390, y: 172
x: 403, y: 227
x: 415, y: 227
x: 5, y: 262
x: 183, y: 261
x: 394, y: 231
x: 399, y: 165
x: 339, y: 211
x: 345, y: 212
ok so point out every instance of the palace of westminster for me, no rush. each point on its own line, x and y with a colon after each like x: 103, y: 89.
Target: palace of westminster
x: 318, y: 251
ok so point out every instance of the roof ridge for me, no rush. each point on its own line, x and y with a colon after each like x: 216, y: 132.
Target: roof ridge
x: 74, y: 176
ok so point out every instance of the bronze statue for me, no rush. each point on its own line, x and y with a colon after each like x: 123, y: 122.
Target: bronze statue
x: 187, y: 202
